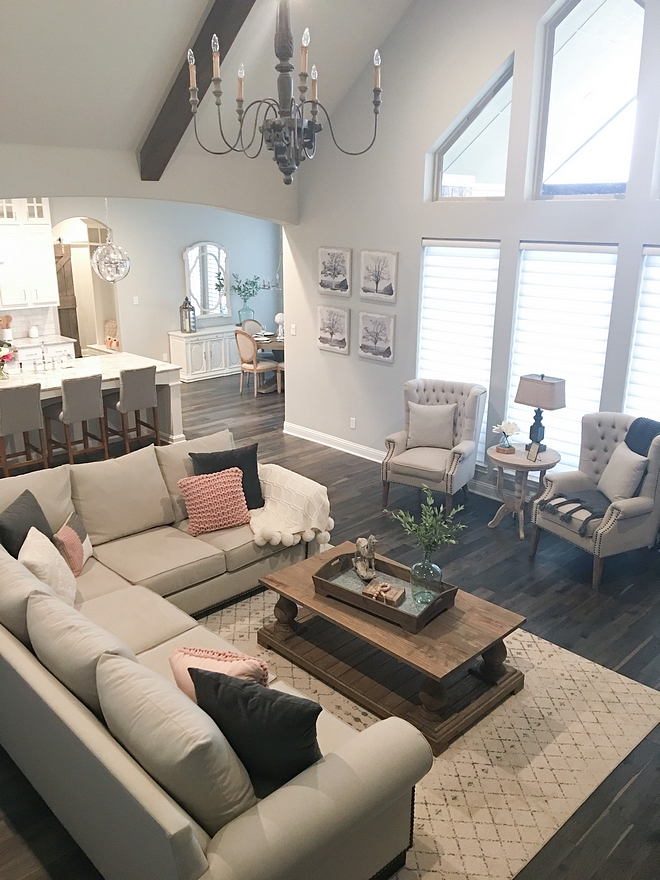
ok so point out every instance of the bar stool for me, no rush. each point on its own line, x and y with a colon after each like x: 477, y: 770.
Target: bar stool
x: 20, y: 413
x: 137, y: 392
x: 81, y: 402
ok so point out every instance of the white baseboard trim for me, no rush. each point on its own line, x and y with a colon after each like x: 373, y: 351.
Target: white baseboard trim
x: 334, y: 442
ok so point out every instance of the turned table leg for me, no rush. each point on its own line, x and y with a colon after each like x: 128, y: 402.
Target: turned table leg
x: 433, y: 696
x: 492, y: 667
x: 506, y: 507
x: 285, y: 612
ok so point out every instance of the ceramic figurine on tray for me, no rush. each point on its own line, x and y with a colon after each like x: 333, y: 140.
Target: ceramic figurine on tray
x: 364, y: 560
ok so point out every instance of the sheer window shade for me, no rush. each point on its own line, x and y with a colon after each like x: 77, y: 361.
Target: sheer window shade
x: 459, y: 288
x: 642, y: 394
x: 561, y: 328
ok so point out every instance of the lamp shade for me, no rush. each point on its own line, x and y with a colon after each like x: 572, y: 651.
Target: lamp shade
x: 542, y: 392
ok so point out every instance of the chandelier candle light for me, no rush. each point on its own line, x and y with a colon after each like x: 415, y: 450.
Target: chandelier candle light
x: 284, y: 125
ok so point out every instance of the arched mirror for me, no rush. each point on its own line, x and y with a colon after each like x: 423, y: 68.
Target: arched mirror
x: 206, y: 278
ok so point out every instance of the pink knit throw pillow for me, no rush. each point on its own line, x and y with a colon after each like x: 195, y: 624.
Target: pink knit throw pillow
x: 215, y: 501
x: 230, y: 662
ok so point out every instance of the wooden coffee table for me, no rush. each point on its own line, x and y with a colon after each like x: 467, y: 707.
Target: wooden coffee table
x: 442, y: 679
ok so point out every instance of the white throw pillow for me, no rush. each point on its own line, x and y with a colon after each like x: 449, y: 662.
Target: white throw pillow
x: 17, y: 585
x: 40, y: 556
x: 431, y: 425
x: 175, y: 741
x: 69, y: 645
x: 622, y: 475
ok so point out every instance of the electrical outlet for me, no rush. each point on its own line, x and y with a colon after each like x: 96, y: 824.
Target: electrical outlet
x: 293, y: 329
x: 165, y: 357
x: 136, y: 301
x: 352, y: 423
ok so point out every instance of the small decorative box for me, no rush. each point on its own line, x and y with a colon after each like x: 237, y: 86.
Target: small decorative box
x: 385, y: 593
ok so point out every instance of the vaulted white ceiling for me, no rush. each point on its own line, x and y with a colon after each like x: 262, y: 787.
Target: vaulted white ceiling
x: 92, y: 73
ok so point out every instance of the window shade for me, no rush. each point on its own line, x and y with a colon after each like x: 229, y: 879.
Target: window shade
x: 459, y: 287
x: 561, y: 328
x: 642, y: 394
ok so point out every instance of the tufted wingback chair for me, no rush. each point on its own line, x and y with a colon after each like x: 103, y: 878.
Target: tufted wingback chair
x: 443, y: 470
x: 628, y: 524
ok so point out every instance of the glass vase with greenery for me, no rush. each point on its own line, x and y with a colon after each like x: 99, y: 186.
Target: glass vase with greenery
x: 245, y: 290
x: 434, y: 529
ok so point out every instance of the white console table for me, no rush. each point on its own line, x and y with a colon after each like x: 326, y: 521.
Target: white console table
x: 206, y: 353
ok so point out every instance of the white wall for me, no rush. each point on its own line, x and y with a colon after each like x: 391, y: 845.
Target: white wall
x: 436, y: 60
x: 154, y: 234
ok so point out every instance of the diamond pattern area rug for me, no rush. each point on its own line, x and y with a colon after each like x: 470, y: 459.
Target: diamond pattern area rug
x: 500, y: 791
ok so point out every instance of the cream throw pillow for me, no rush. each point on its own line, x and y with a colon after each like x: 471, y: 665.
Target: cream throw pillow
x: 69, y: 645
x: 175, y: 741
x: 40, y: 556
x: 622, y: 475
x: 431, y: 425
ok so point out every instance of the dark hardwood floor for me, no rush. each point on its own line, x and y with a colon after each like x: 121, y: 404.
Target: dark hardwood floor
x: 616, y: 833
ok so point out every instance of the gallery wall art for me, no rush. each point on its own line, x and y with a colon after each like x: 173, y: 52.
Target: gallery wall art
x: 378, y: 279
x: 334, y: 271
x: 333, y: 327
x: 376, y: 337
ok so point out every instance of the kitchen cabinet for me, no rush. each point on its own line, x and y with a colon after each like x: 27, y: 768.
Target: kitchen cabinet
x: 207, y: 353
x: 28, y: 276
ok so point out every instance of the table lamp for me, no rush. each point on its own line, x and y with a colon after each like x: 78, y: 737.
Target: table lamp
x: 542, y: 392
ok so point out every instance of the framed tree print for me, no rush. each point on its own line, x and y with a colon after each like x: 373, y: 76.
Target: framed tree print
x: 334, y: 271
x: 376, y: 337
x: 378, y: 279
x: 333, y: 329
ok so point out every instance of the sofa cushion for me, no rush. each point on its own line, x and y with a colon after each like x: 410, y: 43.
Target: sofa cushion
x: 237, y: 545
x: 121, y: 496
x: 623, y: 473
x: 43, y: 559
x: 244, y: 458
x: 69, y: 645
x: 51, y: 487
x: 16, y: 585
x: 73, y: 543
x: 158, y: 658
x: 137, y: 616
x: 431, y: 425
x: 215, y: 501
x: 166, y: 560
x: 232, y: 663
x: 18, y: 518
x: 175, y: 741
x: 331, y: 732
x: 274, y: 734
x: 95, y: 580
x: 422, y: 463
x: 175, y: 463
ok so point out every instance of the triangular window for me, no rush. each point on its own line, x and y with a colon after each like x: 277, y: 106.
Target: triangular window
x: 594, y: 51
x: 471, y: 162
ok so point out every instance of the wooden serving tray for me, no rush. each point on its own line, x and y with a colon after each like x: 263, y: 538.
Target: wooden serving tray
x: 410, y: 616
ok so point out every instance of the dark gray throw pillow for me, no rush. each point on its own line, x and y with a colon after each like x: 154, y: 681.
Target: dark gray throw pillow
x: 17, y: 520
x: 245, y: 458
x: 273, y: 734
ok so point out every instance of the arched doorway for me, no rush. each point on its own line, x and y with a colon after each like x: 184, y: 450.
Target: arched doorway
x: 88, y: 307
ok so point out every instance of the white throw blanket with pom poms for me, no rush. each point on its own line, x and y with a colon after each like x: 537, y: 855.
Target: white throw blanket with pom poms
x: 296, y: 509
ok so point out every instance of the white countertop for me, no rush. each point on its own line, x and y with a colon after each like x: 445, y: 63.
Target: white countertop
x: 52, y: 339
x: 108, y: 365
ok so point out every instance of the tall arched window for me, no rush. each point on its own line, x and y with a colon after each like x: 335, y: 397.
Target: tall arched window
x: 207, y: 282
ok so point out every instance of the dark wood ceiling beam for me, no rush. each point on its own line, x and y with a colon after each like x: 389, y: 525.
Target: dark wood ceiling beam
x: 225, y: 19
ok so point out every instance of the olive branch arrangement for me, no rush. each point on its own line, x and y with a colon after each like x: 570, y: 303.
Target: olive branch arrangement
x: 434, y: 528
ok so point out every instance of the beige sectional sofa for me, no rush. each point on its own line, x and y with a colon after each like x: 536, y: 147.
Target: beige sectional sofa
x: 347, y: 817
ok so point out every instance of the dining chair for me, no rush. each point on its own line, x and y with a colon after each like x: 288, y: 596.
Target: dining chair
x: 81, y: 403
x: 20, y: 413
x: 252, y: 326
x: 137, y: 393
x: 250, y: 363
x: 280, y: 376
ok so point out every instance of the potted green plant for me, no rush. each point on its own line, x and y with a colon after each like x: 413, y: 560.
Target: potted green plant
x: 246, y: 290
x: 434, y: 529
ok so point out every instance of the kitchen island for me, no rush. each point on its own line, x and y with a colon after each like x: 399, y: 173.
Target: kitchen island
x: 109, y: 366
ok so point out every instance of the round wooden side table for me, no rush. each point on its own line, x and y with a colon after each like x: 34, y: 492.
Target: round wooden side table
x: 519, y: 463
